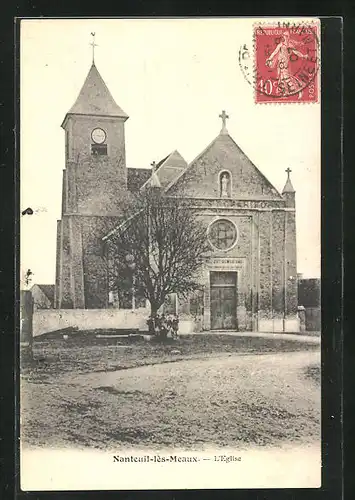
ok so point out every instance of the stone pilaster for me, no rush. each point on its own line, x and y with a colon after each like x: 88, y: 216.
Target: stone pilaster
x: 242, y: 316
x: 265, y: 273
x: 76, y: 263
x: 58, y: 265
x: 290, y: 277
x: 254, y: 270
x: 207, y: 300
x: 65, y: 297
x: 278, y: 221
x: 71, y: 202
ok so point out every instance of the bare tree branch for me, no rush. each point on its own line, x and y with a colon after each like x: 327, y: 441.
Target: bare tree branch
x: 166, y: 244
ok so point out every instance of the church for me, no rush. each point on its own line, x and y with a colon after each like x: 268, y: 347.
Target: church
x: 250, y: 279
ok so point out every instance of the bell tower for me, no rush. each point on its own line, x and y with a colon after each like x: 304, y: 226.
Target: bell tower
x: 95, y: 149
x: 94, y: 185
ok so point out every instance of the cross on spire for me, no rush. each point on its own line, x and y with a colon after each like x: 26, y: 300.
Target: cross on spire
x: 288, y: 171
x: 153, y: 165
x: 224, y: 118
x: 93, y: 44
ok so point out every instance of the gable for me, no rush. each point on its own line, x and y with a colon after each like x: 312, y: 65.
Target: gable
x: 43, y: 295
x: 170, y: 168
x: 201, y: 179
x: 48, y: 291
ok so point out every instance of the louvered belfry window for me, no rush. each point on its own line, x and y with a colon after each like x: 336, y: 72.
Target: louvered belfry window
x: 99, y: 149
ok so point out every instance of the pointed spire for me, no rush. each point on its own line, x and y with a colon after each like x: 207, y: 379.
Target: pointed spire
x: 288, y: 186
x: 224, y: 118
x: 95, y: 98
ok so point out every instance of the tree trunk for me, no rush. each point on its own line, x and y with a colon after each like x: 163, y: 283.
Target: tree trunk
x: 153, y: 309
x: 153, y: 317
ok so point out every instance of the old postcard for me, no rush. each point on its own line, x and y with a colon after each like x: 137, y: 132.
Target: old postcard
x: 170, y: 253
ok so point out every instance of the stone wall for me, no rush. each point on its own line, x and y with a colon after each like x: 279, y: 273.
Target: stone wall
x: 26, y: 317
x: 100, y: 185
x: 94, y: 265
x: 48, y: 320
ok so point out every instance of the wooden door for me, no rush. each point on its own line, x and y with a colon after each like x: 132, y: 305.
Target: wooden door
x: 223, y: 300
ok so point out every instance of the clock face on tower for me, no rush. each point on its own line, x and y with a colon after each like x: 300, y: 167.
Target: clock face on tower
x: 98, y: 135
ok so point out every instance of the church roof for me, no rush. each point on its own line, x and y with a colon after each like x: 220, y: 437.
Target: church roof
x: 48, y: 291
x: 224, y: 153
x: 95, y: 98
x: 136, y: 177
x: 169, y: 168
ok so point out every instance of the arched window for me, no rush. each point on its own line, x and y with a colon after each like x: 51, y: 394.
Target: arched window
x: 225, y: 184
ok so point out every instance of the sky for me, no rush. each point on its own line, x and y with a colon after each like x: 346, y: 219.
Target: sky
x: 173, y: 77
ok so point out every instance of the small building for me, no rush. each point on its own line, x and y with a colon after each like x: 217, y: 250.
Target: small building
x: 309, y: 296
x: 43, y: 296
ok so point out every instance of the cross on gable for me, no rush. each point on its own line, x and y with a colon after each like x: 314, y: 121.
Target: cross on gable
x: 224, y: 118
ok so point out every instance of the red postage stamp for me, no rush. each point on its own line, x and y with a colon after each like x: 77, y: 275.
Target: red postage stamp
x: 286, y: 63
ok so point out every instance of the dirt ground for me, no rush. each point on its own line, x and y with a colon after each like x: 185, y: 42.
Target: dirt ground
x: 85, y: 353
x: 211, y: 393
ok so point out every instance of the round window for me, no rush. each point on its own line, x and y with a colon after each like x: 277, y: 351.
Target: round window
x: 222, y: 234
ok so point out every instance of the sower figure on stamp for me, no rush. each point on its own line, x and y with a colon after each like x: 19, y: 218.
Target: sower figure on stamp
x: 282, y: 55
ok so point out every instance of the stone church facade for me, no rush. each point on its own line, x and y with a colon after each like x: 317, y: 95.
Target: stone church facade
x: 249, y: 282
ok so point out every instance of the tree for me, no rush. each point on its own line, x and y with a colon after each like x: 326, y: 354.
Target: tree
x: 162, y: 243
x: 28, y: 277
